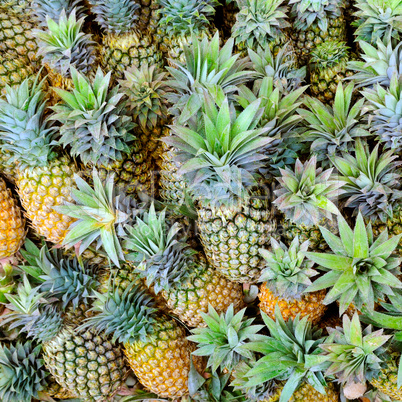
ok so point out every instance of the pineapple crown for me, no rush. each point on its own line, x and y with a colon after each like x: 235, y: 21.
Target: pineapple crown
x: 259, y: 22
x: 381, y: 61
x: 206, y: 67
x: 115, y: 16
x: 333, y: 130
x: 287, y: 355
x: 22, y: 372
x: 377, y: 19
x: 44, y: 9
x: 185, y: 17
x: 224, y: 339
x: 100, y: 215
x: 279, y: 113
x: 32, y: 313
x: 7, y: 281
x: 355, y: 355
x: 94, y: 120
x: 63, y: 278
x: 385, y: 108
x: 306, y: 195
x: 166, y: 261
x: 371, y: 181
x: 64, y: 45
x: 287, y: 272
x: 222, y: 158
x: 308, y: 12
x: 363, y: 270
x: 24, y: 132
x: 282, y: 67
x: 329, y: 54
x: 146, y: 88
x: 129, y: 317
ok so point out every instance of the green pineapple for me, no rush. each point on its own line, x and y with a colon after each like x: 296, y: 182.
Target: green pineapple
x: 332, y: 130
x: 356, y: 271
x: 234, y: 215
x: 182, y: 276
x: 260, y: 24
x: 306, y: 198
x: 316, y: 22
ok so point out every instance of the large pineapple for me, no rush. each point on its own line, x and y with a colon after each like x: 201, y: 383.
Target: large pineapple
x: 155, y: 345
x: 43, y: 178
x: 182, y: 276
x: 331, y: 130
x: 221, y: 161
x: 260, y: 24
x: 286, y: 277
x: 123, y: 45
x: 289, y: 358
x: 306, y: 197
x: 316, y: 22
x: 356, y: 271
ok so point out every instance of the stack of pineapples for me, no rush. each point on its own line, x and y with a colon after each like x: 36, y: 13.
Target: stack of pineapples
x: 201, y: 200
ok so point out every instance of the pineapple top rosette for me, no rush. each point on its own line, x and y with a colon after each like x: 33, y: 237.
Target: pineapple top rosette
x: 45, y: 9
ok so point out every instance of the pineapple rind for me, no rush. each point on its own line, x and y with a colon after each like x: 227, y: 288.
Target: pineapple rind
x: 386, y: 382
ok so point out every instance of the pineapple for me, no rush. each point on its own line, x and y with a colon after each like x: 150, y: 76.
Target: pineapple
x: 221, y: 162
x: 22, y: 372
x: 355, y: 355
x: 181, y: 20
x: 224, y: 339
x: 332, y: 130
x: 182, y: 277
x: 353, y: 272
x: 44, y: 179
x: 123, y: 45
x: 155, y: 345
x: 377, y: 20
x: 286, y: 277
x: 306, y: 198
x: 64, y: 45
x: 289, y: 355
x: 86, y: 362
x: 105, y: 137
x: 328, y: 67
x: 316, y: 22
x: 385, y: 113
x: 372, y: 187
x: 260, y: 24
x: 12, y: 223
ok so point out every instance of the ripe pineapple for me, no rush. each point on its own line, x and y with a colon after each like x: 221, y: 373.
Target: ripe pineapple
x: 184, y: 280
x: 285, y: 372
x: 260, y: 24
x: 234, y: 216
x: 44, y: 179
x: 306, y: 198
x: 85, y: 362
x: 332, y: 130
x: 355, y: 355
x: 181, y: 21
x: 286, y: 277
x: 328, y: 67
x: 123, y: 45
x: 355, y: 254
x: 155, y: 345
x: 316, y: 22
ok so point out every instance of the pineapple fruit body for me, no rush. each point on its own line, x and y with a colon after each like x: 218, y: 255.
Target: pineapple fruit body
x: 162, y: 364
x: 40, y: 190
x: 231, y: 237
x: 393, y: 225
x: 87, y: 364
x: 12, y: 224
x: 307, y: 393
x: 309, y: 304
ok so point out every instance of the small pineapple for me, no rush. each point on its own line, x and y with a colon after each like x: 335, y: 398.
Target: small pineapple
x: 286, y: 277
x: 354, y: 263
x: 173, y: 269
